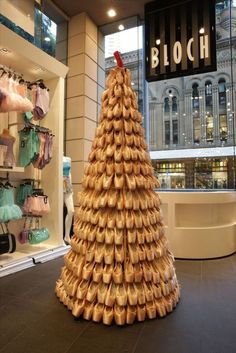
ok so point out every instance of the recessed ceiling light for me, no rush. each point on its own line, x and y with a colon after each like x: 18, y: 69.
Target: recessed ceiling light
x: 47, y: 39
x: 111, y: 13
x: 4, y: 50
x: 121, y: 27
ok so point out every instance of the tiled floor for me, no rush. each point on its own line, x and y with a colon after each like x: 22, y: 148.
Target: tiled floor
x: 33, y: 321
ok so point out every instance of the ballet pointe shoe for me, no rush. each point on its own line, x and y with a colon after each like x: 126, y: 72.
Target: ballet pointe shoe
x: 121, y: 295
x: 128, y: 200
x: 117, y: 274
x: 100, y: 235
x: 119, y: 315
x: 129, y: 272
x: 148, y: 291
x: 112, y: 197
x: 107, y: 315
x: 141, y: 294
x: 156, y: 291
x: 119, y: 253
x: 87, y: 270
x: 97, y: 272
x: 109, y: 236
x: 92, y: 292
x: 88, y: 310
x: 147, y: 271
x: 78, y: 307
x: 102, y: 292
x: 131, y: 236
x: 130, y: 314
x: 119, y: 181
x: 141, y: 312
x: 82, y: 289
x: 119, y: 169
x: 133, y: 253
x: 119, y: 236
x: 107, y: 274
x: 111, y: 220
x: 99, y: 253
x: 160, y: 308
x: 132, y: 294
x: 109, y: 254
x: 98, y: 312
x: 151, y: 310
x: 111, y: 295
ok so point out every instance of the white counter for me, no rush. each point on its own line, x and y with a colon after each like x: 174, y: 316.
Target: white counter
x: 200, y: 224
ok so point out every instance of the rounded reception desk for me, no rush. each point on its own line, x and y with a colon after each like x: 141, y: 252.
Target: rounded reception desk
x: 200, y: 225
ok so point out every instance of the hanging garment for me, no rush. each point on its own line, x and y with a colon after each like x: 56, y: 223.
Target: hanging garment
x: 8, y: 209
x: 29, y: 145
x: 8, y: 141
x: 41, y: 104
x: 13, y: 95
x: 36, y: 146
x: 23, y: 191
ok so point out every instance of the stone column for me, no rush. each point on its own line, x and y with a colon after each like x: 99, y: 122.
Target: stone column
x: 86, y: 67
x: 202, y: 113
x: 188, y: 117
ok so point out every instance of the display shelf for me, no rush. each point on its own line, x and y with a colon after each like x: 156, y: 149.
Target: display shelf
x: 34, y: 64
x: 12, y: 170
x: 28, y: 256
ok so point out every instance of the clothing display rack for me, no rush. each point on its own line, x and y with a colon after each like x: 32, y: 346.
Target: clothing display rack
x: 41, y: 69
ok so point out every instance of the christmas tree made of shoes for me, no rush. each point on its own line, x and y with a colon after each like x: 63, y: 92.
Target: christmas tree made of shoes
x: 119, y: 266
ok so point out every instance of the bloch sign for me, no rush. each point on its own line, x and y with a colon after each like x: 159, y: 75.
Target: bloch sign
x: 179, y: 38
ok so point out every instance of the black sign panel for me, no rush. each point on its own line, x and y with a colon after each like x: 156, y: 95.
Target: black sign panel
x: 179, y: 38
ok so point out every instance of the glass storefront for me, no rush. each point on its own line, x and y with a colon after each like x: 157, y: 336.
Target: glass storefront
x: 191, y: 119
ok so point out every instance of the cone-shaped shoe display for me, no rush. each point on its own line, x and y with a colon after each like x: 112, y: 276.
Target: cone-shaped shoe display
x: 119, y: 267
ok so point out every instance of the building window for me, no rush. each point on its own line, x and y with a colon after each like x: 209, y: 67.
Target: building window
x: 167, y: 132
x: 209, y: 128
x: 222, y: 93
x: 174, y: 105
x: 166, y: 105
x: 208, y: 94
x: 195, y: 96
x: 175, y: 132
x: 223, y: 127
x: 196, y: 129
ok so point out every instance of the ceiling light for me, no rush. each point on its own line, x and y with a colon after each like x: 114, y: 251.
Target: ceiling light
x: 47, y: 39
x: 121, y: 27
x: 202, y: 30
x: 158, y: 41
x: 4, y: 50
x: 111, y: 13
x: 132, y: 83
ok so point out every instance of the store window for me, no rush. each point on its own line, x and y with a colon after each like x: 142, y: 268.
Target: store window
x: 199, y: 119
